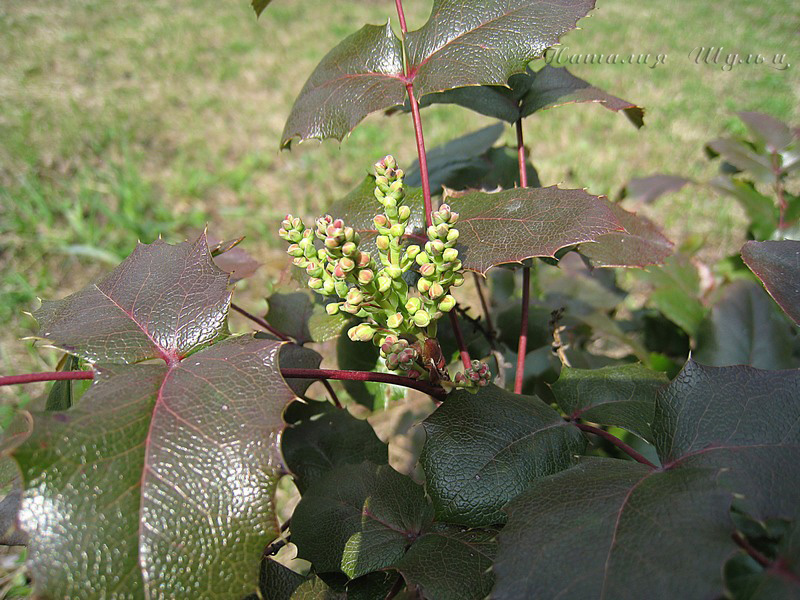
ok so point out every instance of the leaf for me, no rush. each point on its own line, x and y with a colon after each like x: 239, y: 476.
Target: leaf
x: 622, y: 396
x: 615, y: 529
x: 459, y: 157
x: 10, y: 500
x: 745, y: 328
x: 744, y: 158
x: 297, y: 357
x: 358, y: 518
x: 739, y: 419
x: 363, y: 74
x: 278, y: 582
x: 484, y: 449
x: 466, y: 42
x: 159, y: 469
x: 451, y: 563
x: 235, y: 260
x: 777, y: 265
x: 357, y: 356
x: 463, y: 43
x: 760, y: 209
x: 326, y: 438
x: 642, y: 243
x: 650, y: 188
x: 676, y: 292
x: 259, y: 6
x: 513, y: 225
x: 769, y: 131
x: 162, y: 301
x: 301, y: 315
x: 63, y: 393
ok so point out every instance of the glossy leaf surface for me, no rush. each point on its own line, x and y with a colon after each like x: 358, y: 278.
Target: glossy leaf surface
x: 745, y: 328
x: 301, y: 315
x: 640, y: 245
x: 358, y: 519
x: 484, y: 449
x: 623, y: 396
x: 513, y: 225
x: 777, y: 265
x: 163, y: 301
x: 606, y: 515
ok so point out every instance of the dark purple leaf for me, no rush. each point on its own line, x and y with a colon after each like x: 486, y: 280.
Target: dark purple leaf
x: 648, y: 189
x: 642, y: 243
x: 301, y: 315
x: 777, y: 265
x: 163, y: 301
x: 234, y: 260
x: 775, y: 135
x: 513, y: 225
x: 463, y: 43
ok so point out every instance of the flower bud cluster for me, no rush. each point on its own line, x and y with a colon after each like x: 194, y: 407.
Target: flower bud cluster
x: 401, y: 356
x: 477, y: 375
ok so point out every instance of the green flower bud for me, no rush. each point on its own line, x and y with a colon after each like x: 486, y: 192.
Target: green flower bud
x: 328, y: 286
x: 393, y: 271
x: 458, y: 280
x: 350, y: 234
x: 404, y: 213
x: 294, y: 250
x: 437, y: 247
x: 331, y: 242
x: 452, y: 236
x: 442, y: 231
x: 423, y: 285
x: 397, y: 230
x: 349, y: 308
x: 436, y: 290
x: 431, y: 232
x: 332, y: 308
x: 354, y: 297
x: 394, y: 321
x: 427, y: 270
x: 413, y: 305
x: 384, y: 283
x: 314, y: 270
x: 422, y: 318
x: 314, y: 283
x: 363, y: 333
x: 423, y: 258
x: 380, y: 221
x: 447, y: 303
x: 450, y: 254
x: 412, y: 251
x: 349, y: 249
x: 382, y: 242
x: 346, y: 264
x: 294, y: 236
x: 341, y: 288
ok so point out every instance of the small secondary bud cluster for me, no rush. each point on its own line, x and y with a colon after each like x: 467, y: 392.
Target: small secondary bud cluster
x: 477, y: 374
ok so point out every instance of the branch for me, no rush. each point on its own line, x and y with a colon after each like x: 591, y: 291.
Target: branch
x: 331, y: 393
x: 745, y: 545
x: 261, y: 322
x: 522, y: 348
x: 320, y: 374
x: 462, y: 346
x: 401, y: 15
x: 491, y: 332
x: 616, y: 442
x: 423, y: 158
x: 782, y: 206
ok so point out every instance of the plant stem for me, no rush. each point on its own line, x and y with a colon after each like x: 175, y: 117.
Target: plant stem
x: 50, y: 376
x: 261, y: 322
x: 422, y: 386
x: 522, y: 348
x: 423, y: 159
x: 617, y: 442
x: 776, y: 170
x: 462, y: 346
x: 745, y: 545
x: 401, y: 15
x: 331, y: 393
x: 490, y: 330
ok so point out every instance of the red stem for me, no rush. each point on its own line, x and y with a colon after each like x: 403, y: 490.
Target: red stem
x: 745, y: 545
x: 52, y: 376
x: 617, y: 442
x: 462, y: 346
x: 331, y: 393
x: 522, y: 348
x: 401, y: 15
x: 490, y: 330
x: 423, y: 158
x: 321, y: 374
x: 261, y: 322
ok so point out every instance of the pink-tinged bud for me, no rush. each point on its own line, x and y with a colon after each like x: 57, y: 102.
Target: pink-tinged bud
x: 442, y: 231
x: 338, y: 271
x: 349, y: 308
x: 459, y: 379
x: 453, y: 218
x: 355, y: 297
x: 391, y: 362
x: 407, y: 356
x: 314, y: 283
x: 450, y: 254
x: 314, y: 270
x: 396, y: 186
x: 394, y: 321
x: 423, y: 285
x: 332, y: 308
x: 380, y: 221
x: 365, y: 276
x: 412, y: 374
x: 363, y: 259
x: 382, y: 242
x: 294, y: 250
x: 331, y: 242
x: 447, y: 303
x: 437, y: 247
x: 386, y: 347
x: 436, y: 290
x: 347, y: 264
x: 427, y: 270
x: 338, y: 223
x: 300, y: 262
x: 349, y: 249
x: 422, y: 319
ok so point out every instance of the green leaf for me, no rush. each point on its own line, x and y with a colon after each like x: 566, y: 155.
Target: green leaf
x: 163, y: 301
x: 747, y: 580
x: 358, y: 519
x: 10, y: 500
x: 743, y: 157
x: 63, y: 393
x: 325, y: 438
x: 125, y: 483
x: 162, y: 467
x: 676, y: 292
x: 740, y: 420
x: 622, y: 396
x: 301, y: 315
x: 486, y: 448
x: 463, y: 43
x: 278, y: 582
x: 458, y: 158
x: 532, y: 91
x: 259, y: 6
x: 745, y: 328
x: 640, y: 245
x: 761, y: 210
x: 364, y: 73
x: 616, y: 529
x: 451, y: 563
x: 777, y: 265
x: 513, y: 225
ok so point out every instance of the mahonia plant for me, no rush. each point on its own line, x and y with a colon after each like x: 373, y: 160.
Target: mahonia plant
x: 400, y: 320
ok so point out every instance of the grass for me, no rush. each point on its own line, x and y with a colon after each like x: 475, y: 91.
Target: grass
x: 126, y: 121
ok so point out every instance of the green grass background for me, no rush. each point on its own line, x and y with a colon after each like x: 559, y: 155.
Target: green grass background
x: 128, y: 120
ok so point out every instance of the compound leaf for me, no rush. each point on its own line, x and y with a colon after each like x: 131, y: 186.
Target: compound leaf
x: 359, y: 518
x: 605, y: 514
x: 623, y: 396
x: 745, y: 328
x: 777, y: 265
x: 640, y: 245
x: 513, y: 225
x: 484, y: 449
